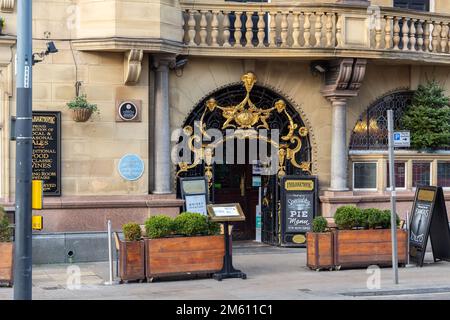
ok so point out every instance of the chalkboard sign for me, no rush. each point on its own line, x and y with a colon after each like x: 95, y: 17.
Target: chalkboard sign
x: 46, y: 157
x: 194, y: 192
x: 429, y: 219
x: 298, y: 208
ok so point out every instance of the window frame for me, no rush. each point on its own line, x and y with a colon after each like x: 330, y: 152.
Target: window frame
x: 376, y: 176
x: 388, y: 188
x: 412, y: 170
x: 437, y: 172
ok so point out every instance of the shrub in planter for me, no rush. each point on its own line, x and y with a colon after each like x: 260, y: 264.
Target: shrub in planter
x: 320, y: 224
x: 132, y: 232
x: 346, y: 217
x: 81, y: 108
x: 319, y: 245
x: 191, y: 224
x: 361, y: 248
x: 375, y: 218
x: 132, y: 253
x: 6, y: 249
x: 159, y: 227
x: 198, y: 250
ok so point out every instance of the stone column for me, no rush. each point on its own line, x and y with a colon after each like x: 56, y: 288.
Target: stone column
x: 162, y: 162
x: 339, y: 151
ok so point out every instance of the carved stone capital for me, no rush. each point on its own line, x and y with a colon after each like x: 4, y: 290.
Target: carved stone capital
x: 7, y: 5
x: 133, y: 65
x: 163, y: 62
x: 343, y: 78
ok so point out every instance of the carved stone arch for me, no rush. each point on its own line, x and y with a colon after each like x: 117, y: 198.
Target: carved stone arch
x: 290, y: 101
x: 370, y: 130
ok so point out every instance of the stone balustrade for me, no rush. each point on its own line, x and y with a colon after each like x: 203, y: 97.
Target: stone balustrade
x: 314, y: 30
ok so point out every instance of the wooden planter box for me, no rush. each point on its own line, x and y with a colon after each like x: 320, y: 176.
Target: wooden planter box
x: 6, y: 263
x: 183, y: 255
x: 320, y: 253
x: 362, y: 248
x: 131, y: 260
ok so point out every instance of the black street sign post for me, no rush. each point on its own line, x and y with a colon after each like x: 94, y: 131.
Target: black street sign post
x: 429, y: 219
x: 298, y: 208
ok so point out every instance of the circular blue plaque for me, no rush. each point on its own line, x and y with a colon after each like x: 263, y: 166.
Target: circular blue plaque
x: 131, y: 167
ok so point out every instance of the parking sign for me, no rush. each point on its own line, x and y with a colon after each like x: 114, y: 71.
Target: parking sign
x: 402, y: 139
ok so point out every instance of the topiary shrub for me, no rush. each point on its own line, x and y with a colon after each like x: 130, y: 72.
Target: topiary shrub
x: 361, y: 219
x: 132, y: 231
x: 320, y: 224
x: 346, y: 217
x: 191, y: 224
x: 159, y: 227
x: 5, y: 228
x: 386, y: 219
x: 213, y: 228
x: 375, y: 218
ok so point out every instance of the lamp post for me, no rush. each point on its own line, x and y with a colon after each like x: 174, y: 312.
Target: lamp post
x: 24, y: 149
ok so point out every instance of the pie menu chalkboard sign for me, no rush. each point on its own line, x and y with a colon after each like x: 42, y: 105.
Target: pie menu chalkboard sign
x: 298, y: 207
x: 46, y: 157
x: 429, y: 219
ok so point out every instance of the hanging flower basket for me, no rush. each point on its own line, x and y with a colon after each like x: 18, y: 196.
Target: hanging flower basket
x: 81, y: 108
x: 81, y: 115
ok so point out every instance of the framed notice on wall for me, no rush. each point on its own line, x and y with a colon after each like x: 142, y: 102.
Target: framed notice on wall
x: 194, y: 192
x: 298, y: 208
x: 46, y: 157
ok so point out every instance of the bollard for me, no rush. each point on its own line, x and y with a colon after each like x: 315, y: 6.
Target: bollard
x: 110, y: 282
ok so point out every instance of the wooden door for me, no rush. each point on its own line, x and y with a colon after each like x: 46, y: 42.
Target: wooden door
x: 233, y: 184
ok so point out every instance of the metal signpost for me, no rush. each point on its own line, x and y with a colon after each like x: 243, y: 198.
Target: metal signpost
x: 390, y: 115
x: 24, y: 148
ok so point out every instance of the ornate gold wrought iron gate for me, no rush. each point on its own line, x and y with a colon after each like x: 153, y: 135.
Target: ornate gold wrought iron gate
x: 246, y: 108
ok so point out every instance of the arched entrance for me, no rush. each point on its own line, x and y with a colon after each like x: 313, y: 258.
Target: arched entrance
x: 242, y: 138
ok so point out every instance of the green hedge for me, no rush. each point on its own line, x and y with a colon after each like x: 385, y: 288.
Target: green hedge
x: 350, y: 217
x: 186, y: 224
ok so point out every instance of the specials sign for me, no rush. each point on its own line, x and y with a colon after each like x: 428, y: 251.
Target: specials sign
x: 429, y: 220
x: 46, y: 157
x: 298, y: 207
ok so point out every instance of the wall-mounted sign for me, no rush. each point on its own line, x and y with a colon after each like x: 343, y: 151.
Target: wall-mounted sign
x: 226, y: 212
x: 298, y: 208
x: 37, y: 222
x: 131, y: 167
x: 129, y: 110
x: 429, y: 219
x: 46, y: 157
x: 194, y: 192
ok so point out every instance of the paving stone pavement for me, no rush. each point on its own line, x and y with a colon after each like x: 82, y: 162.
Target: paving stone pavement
x: 273, y: 273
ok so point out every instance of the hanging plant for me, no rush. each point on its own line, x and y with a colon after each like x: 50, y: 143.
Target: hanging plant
x: 81, y: 108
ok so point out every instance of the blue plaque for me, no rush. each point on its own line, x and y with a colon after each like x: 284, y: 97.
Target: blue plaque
x: 131, y: 167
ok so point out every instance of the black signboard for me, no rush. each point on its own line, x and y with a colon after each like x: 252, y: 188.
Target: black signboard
x: 47, y: 150
x: 429, y: 219
x: 298, y: 208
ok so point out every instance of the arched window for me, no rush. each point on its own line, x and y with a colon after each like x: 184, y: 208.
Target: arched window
x: 370, y: 131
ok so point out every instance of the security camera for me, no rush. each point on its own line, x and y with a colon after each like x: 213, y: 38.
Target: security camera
x: 39, y: 57
x: 51, y: 48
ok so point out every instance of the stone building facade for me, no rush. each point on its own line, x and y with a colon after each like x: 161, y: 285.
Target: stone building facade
x: 330, y: 60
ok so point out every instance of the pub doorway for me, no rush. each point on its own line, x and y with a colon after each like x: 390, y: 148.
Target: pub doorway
x: 238, y: 115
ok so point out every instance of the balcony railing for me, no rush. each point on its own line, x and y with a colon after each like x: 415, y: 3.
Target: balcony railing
x: 314, y: 30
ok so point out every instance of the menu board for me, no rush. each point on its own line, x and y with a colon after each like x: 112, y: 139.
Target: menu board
x: 46, y: 157
x: 298, y: 208
x: 194, y: 192
x: 299, y: 212
x: 429, y: 219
